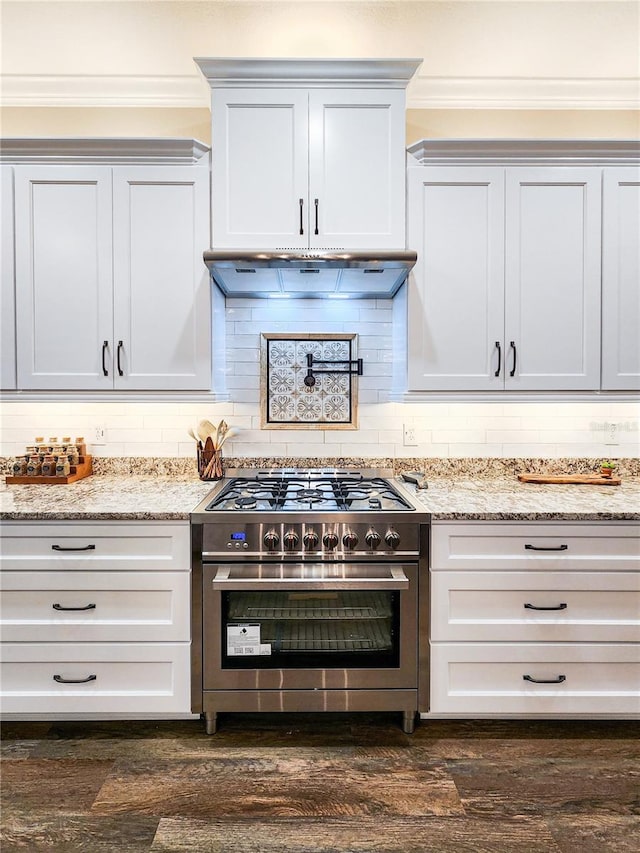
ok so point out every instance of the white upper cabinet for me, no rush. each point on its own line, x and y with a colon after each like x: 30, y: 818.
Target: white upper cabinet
x: 506, y: 291
x: 111, y: 290
x: 621, y: 279
x: 552, y: 279
x: 64, y: 302
x: 161, y: 292
x: 7, y: 283
x: 456, y: 292
x: 308, y: 153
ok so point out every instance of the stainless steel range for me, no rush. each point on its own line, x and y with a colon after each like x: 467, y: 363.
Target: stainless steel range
x: 305, y: 594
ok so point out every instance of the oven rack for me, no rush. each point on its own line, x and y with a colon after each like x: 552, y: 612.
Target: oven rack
x: 326, y: 606
x: 345, y: 636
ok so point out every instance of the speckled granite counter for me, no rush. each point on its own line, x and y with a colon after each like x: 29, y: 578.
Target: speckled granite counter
x: 132, y: 496
x: 509, y: 499
x: 106, y: 497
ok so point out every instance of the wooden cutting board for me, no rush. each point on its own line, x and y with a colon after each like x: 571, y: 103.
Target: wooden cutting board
x: 586, y: 479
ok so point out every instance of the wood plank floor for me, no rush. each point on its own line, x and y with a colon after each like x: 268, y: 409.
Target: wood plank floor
x: 327, y: 783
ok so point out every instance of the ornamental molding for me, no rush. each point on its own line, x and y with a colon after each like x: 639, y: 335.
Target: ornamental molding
x: 423, y: 92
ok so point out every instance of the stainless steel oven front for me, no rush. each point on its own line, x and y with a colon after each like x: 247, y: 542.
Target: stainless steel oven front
x: 303, y: 627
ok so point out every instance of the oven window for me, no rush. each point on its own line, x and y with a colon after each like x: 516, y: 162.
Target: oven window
x: 295, y: 629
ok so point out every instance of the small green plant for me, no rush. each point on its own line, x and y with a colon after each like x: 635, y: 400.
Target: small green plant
x: 607, y: 463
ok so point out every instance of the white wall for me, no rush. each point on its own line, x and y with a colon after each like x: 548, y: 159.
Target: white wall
x: 444, y: 429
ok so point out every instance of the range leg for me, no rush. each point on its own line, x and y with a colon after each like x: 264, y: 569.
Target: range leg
x: 211, y: 722
x: 408, y: 722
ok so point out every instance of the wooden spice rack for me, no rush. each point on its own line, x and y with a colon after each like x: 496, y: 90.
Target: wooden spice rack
x: 83, y: 469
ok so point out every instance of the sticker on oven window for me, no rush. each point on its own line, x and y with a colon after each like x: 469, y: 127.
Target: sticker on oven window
x: 243, y: 640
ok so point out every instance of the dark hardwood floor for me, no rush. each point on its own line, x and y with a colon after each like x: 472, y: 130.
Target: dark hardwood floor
x: 321, y: 784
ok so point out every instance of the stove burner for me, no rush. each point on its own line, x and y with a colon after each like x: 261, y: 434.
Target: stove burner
x: 311, y: 495
x: 246, y: 502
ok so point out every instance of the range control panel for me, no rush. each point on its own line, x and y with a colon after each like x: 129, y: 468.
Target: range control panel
x: 308, y: 540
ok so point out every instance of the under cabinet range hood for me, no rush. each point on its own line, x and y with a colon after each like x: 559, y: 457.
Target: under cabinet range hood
x: 307, y: 274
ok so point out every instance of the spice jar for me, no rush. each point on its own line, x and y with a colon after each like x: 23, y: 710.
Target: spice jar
x: 49, y: 466
x: 62, y: 467
x: 72, y: 454
x: 19, y: 466
x: 34, y: 466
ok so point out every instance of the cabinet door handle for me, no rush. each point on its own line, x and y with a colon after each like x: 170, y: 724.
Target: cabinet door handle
x: 512, y: 346
x: 86, y: 607
x: 301, y: 203
x: 120, y: 370
x: 315, y: 202
x: 105, y: 345
x: 561, y: 606
x: 557, y: 680
x: 499, y: 348
x: 62, y: 680
x: 540, y: 548
x: 82, y: 548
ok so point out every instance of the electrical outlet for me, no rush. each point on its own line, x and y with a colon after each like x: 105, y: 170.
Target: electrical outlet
x: 612, y: 433
x: 99, y: 434
x: 409, y: 435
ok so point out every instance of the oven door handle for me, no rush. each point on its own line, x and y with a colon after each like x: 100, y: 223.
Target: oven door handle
x: 396, y: 580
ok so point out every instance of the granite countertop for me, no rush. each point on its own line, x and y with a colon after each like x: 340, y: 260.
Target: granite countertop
x: 124, y: 497
x: 172, y: 497
x: 508, y: 499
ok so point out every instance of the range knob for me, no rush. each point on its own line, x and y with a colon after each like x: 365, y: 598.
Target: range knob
x: 372, y: 538
x: 350, y: 540
x: 291, y: 540
x: 330, y: 540
x: 392, y: 538
x: 271, y: 540
x: 310, y: 540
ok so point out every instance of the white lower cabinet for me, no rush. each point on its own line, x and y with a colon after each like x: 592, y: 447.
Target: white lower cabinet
x: 95, y: 619
x: 534, y: 618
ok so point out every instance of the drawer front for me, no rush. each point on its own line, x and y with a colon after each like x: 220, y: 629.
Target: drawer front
x: 95, y: 606
x: 80, y: 546
x: 535, y: 546
x: 535, y: 606
x: 132, y: 678
x: 475, y: 678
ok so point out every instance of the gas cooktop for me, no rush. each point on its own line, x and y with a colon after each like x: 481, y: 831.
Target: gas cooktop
x: 309, y: 491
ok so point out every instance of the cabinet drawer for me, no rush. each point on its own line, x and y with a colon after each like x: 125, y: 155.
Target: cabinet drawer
x: 160, y: 546
x: 475, y: 678
x: 133, y: 678
x: 535, y: 546
x: 95, y: 606
x: 535, y: 606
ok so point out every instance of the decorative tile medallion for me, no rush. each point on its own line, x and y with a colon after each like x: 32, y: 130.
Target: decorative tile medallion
x: 287, y: 402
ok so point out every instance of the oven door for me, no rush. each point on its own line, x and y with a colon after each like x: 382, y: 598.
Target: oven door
x: 302, y: 626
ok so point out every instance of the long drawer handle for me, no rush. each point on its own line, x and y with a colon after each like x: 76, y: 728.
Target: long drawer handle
x: 62, y: 680
x: 562, y: 606
x: 554, y: 548
x: 316, y: 203
x: 557, y: 680
x: 512, y: 346
x: 86, y: 607
x: 118, y: 354
x: 301, y: 205
x: 83, y: 548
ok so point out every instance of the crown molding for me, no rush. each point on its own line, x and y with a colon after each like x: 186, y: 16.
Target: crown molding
x: 91, y: 150
x: 423, y: 92
x: 523, y: 93
x: 522, y: 152
x: 97, y: 90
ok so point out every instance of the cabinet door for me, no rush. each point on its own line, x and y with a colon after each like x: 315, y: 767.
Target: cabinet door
x: 621, y: 279
x: 63, y: 277
x: 357, y: 168
x: 162, y: 317
x: 7, y: 283
x: 456, y: 291
x: 552, y: 264
x: 260, y: 168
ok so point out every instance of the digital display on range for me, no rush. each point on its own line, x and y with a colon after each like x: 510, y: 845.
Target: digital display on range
x: 239, y: 537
